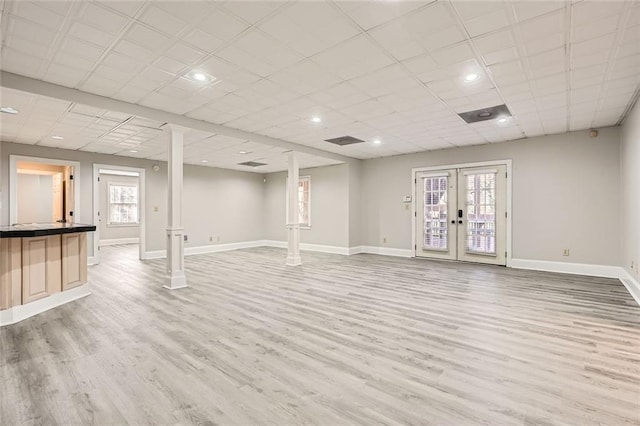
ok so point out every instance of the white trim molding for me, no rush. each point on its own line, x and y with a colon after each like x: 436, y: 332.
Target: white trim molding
x: 214, y: 248
x: 22, y: 312
x: 387, y: 251
x: 118, y: 241
x: 606, y: 271
x: 631, y: 283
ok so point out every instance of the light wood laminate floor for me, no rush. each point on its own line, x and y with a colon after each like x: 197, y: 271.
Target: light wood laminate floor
x: 340, y: 340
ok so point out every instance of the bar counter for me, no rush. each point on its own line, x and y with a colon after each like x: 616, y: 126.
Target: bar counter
x: 42, y: 265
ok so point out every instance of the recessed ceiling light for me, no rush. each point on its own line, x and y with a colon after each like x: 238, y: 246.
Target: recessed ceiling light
x: 503, y: 120
x: 133, y: 150
x: 471, y: 77
x: 9, y: 110
x: 57, y: 137
x: 316, y: 119
x: 204, y: 161
x: 377, y: 142
x: 243, y: 152
x: 200, y: 77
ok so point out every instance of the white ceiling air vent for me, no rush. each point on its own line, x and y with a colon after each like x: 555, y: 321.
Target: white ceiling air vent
x: 344, y: 140
x: 252, y: 164
x: 484, y: 114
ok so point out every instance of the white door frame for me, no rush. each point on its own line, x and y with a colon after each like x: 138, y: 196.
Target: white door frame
x: 506, y: 162
x: 13, y: 183
x: 96, y: 207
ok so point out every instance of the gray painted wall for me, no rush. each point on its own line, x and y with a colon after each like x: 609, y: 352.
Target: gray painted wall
x: 329, y: 206
x: 225, y: 206
x: 225, y: 200
x: 36, y: 203
x: 630, y: 180
x: 113, y: 232
x: 565, y: 195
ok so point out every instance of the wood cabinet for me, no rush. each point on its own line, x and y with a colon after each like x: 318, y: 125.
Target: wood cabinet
x: 74, y: 260
x: 10, y: 272
x: 41, y: 269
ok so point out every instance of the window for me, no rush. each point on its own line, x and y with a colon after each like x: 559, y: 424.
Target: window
x: 123, y: 204
x: 304, y: 201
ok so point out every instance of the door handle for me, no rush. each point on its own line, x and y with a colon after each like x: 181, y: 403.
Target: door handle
x: 453, y: 222
x: 459, y: 221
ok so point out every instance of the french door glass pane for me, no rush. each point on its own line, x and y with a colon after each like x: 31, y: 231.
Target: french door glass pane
x: 435, y: 235
x: 481, y: 213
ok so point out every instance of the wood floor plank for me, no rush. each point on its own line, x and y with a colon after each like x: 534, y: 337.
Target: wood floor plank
x: 339, y: 340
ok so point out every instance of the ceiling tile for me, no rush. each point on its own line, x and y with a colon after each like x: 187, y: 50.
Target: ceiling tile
x: 222, y: 25
x: 162, y: 21
x: 95, y: 16
x: 203, y: 40
x: 310, y: 27
x: 353, y: 58
x: 488, y: 22
x: 372, y: 14
x: 532, y: 9
x: 147, y: 38
x: 37, y: 14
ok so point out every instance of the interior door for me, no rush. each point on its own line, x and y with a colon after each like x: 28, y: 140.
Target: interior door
x: 436, y: 205
x: 461, y: 214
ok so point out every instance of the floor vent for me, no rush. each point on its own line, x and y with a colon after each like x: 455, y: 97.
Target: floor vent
x: 344, y: 140
x: 252, y: 164
x: 484, y: 114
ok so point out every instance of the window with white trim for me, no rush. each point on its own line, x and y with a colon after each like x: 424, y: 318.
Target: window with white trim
x: 123, y: 203
x: 304, y: 201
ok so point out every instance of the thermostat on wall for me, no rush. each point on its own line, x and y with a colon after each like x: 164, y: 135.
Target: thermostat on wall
x: 407, y: 198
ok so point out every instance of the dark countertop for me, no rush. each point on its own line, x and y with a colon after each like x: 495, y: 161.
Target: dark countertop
x: 42, y: 229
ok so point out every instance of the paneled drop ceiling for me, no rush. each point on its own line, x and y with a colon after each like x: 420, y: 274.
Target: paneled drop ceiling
x: 386, y: 71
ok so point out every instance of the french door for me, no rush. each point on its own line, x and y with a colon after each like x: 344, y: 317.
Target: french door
x: 461, y: 214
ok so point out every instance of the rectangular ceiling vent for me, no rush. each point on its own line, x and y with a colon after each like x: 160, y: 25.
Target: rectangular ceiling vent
x: 484, y: 114
x: 252, y: 164
x: 344, y: 140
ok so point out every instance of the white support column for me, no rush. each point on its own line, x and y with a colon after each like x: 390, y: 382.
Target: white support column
x: 293, y: 225
x: 175, y: 232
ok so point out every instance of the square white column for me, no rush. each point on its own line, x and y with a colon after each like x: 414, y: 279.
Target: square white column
x: 293, y: 224
x: 176, y: 277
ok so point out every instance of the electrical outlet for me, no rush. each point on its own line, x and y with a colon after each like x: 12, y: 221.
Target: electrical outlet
x: 155, y: 208
x: 186, y: 238
x: 210, y: 239
x: 384, y: 239
x: 565, y: 252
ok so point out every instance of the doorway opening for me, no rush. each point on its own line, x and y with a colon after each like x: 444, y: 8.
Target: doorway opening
x: 462, y: 212
x: 42, y: 190
x: 119, y: 210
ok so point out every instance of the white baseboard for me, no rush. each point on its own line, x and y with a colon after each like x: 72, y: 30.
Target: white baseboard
x: 22, y: 312
x: 355, y: 250
x: 214, y: 248
x: 606, y: 271
x: 631, y: 283
x: 387, y: 251
x: 320, y: 248
x: 118, y: 241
